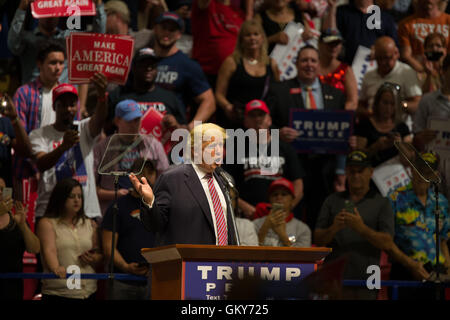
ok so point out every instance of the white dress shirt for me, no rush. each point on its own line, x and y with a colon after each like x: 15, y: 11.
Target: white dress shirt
x: 204, y: 182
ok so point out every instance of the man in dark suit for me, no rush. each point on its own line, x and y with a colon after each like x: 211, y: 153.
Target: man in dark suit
x: 294, y: 93
x: 190, y: 204
x: 324, y: 173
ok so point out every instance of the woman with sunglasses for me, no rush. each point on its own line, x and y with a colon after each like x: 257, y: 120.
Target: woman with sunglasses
x: 376, y: 134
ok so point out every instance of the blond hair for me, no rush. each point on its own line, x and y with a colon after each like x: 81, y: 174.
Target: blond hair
x: 238, y: 52
x: 205, y: 132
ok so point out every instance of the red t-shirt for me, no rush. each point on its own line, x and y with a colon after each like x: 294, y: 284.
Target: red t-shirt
x: 214, y: 30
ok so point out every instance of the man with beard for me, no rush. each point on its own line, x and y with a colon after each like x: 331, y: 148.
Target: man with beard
x: 178, y: 73
x: 146, y: 93
x: 63, y: 150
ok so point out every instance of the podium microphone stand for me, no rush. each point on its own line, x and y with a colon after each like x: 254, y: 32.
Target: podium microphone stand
x: 413, y: 157
x: 118, y: 147
x: 229, y: 183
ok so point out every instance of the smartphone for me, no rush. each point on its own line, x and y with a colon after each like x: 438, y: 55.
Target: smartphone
x: 349, y: 206
x: 277, y: 207
x: 143, y: 264
x: 433, y: 55
x: 7, y: 193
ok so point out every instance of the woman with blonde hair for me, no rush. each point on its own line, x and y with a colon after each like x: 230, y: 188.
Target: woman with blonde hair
x: 245, y: 75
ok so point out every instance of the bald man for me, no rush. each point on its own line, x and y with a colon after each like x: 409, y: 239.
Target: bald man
x: 390, y: 69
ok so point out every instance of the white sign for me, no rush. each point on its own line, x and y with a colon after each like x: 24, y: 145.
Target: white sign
x: 441, y: 144
x: 362, y: 63
x: 286, y: 55
x: 390, y: 175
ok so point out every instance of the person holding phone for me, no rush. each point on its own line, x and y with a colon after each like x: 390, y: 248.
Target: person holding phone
x: 15, y: 238
x: 435, y: 47
x: 68, y: 238
x: 358, y: 222
x: 61, y: 152
x: 131, y: 237
x: 279, y: 227
x: 12, y: 136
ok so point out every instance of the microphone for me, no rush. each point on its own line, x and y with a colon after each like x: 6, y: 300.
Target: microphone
x: 226, y: 177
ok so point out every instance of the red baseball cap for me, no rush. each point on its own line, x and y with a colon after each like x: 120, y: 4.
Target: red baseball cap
x: 63, y: 88
x: 256, y: 105
x: 284, y: 183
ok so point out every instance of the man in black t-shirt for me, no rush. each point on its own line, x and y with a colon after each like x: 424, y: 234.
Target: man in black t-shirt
x: 144, y: 91
x: 255, y: 172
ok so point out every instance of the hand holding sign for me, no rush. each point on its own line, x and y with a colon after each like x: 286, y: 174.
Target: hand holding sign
x: 169, y: 122
x: 281, y: 38
x: 100, y: 82
x: 288, y: 134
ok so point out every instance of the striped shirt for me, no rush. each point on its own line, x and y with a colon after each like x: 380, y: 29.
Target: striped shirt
x: 28, y: 105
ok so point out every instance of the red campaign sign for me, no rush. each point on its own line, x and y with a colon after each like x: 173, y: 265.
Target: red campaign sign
x: 62, y: 8
x: 151, y: 121
x: 151, y: 124
x: 90, y: 53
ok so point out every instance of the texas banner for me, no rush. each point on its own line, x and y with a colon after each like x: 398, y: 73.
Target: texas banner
x: 90, y: 53
x: 321, y: 132
x: 62, y: 8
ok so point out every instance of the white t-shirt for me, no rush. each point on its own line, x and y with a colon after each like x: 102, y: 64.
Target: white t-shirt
x: 48, y: 115
x: 402, y: 74
x: 200, y: 174
x: 46, y: 139
x: 297, y: 231
x: 247, y: 232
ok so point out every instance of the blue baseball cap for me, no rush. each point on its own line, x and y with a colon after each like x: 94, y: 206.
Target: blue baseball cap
x: 128, y: 110
x: 171, y: 16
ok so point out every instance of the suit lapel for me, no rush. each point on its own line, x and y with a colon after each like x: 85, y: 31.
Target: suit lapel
x: 195, y: 186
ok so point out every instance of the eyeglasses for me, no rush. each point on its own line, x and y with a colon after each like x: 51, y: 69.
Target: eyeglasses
x: 392, y: 85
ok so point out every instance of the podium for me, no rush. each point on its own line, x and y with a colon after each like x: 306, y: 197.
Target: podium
x: 205, y: 272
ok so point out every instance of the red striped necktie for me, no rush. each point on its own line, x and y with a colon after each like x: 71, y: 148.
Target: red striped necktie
x: 222, y: 233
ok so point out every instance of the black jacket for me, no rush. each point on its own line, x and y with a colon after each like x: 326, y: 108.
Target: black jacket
x: 181, y: 213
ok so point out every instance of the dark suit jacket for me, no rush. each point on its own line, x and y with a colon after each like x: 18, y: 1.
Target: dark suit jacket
x: 284, y: 96
x: 181, y: 212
